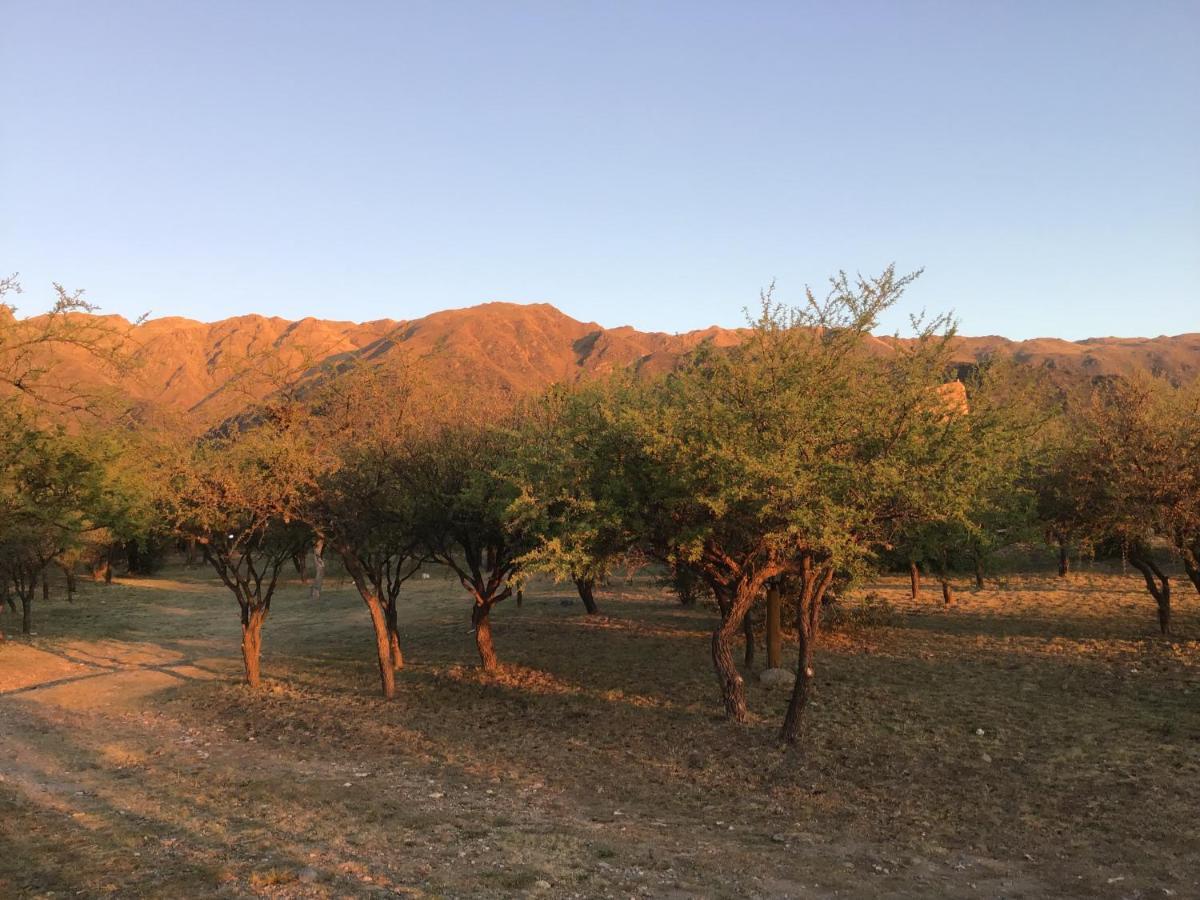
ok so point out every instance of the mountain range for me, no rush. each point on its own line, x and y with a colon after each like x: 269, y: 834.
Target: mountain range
x: 210, y: 369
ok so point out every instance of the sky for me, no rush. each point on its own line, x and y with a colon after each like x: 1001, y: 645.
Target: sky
x: 650, y: 163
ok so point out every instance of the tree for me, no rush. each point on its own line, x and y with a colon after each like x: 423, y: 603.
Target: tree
x: 53, y: 494
x: 463, y: 512
x: 990, y: 460
x: 239, y: 495
x: 366, y: 420
x: 792, y: 456
x: 1133, y: 472
x: 30, y: 348
x: 567, y: 464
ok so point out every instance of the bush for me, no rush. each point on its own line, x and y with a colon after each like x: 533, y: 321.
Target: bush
x: 871, y: 611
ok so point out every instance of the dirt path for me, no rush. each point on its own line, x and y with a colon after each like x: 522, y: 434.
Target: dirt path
x: 132, y: 763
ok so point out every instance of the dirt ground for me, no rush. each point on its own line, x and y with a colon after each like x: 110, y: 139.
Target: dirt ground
x: 1036, y: 739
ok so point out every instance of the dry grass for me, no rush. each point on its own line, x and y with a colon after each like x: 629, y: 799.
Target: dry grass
x: 132, y: 763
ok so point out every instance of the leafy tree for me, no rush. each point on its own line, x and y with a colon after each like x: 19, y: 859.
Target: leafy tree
x: 52, y: 495
x: 464, y: 514
x: 1133, y: 473
x: 989, y: 457
x: 240, y: 496
x: 367, y: 418
x: 796, y: 455
x: 567, y: 462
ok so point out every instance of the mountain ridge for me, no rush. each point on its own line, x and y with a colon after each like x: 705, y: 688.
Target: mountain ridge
x: 209, y: 369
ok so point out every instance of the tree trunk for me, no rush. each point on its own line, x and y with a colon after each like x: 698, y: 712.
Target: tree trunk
x: 1191, y: 566
x: 520, y: 598
x: 481, y: 620
x: 733, y: 611
x: 27, y: 612
x: 45, y: 585
x: 300, y: 561
x: 814, y: 582
x: 191, y: 553
x: 914, y: 579
x: 394, y: 637
x: 1064, y: 560
x: 804, y: 676
x: 252, y: 622
x: 978, y: 574
x: 69, y: 572
x: 383, y: 645
x: 733, y: 692
x: 947, y: 591
x: 586, y: 588
x: 1159, y: 586
x: 133, y: 557
x: 748, y: 635
x: 314, y: 589
x: 774, y: 628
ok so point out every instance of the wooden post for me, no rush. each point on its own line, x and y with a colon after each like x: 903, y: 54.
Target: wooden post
x: 774, y: 628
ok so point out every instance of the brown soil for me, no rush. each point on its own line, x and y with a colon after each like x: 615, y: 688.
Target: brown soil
x: 1035, y: 740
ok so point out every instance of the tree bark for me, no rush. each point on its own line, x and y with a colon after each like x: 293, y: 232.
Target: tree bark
x: 26, y: 613
x: 45, y: 585
x: 300, y: 561
x: 1159, y: 586
x: 481, y: 620
x: 734, y: 607
x: 733, y: 692
x: 947, y: 591
x: 1191, y: 566
x: 1064, y: 560
x: 774, y: 628
x: 252, y: 622
x: 748, y: 636
x: 394, y: 637
x: 914, y: 579
x: 314, y: 589
x: 383, y: 645
x: 978, y: 574
x: 814, y: 582
x: 133, y: 557
x: 69, y: 572
x: 586, y: 588
x: 800, y: 690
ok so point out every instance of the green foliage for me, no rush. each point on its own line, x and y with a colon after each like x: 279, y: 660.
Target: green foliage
x: 53, y: 496
x: 574, y: 498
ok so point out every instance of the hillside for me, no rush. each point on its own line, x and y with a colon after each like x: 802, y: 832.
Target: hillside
x: 210, y: 369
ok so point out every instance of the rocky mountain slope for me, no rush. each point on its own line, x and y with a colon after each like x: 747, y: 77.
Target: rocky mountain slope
x: 211, y: 369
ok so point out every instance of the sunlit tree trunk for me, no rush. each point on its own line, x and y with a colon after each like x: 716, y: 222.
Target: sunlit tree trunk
x: 482, y: 623
x: 383, y: 646
x: 252, y: 622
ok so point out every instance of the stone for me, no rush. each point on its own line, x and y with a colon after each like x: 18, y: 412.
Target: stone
x: 777, y: 678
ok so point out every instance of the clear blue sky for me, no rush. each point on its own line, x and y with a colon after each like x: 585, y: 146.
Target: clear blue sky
x: 646, y: 163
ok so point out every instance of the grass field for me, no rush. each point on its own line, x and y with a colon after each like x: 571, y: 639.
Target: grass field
x: 1033, y: 740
